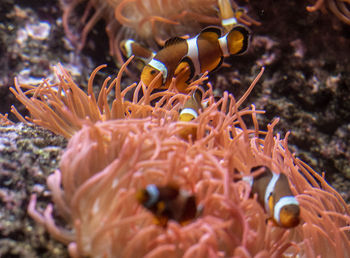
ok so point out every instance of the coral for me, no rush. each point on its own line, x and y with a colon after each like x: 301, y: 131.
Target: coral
x: 108, y: 160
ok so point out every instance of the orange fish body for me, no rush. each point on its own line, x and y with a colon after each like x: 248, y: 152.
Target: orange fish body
x: 129, y: 47
x: 168, y: 203
x: 184, y: 59
x: 228, y: 15
x: 164, y: 61
x: 275, y: 196
x: 190, y: 112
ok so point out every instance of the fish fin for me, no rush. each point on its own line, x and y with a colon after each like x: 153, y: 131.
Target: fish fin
x: 274, y: 223
x: 240, y: 11
x: 141, y: 196
x: 173, y: 187
x: 189, y: 211
x: 238, y: 39
x: 211, y: 31
x: 186, y: 132
x: 185, y: 222
x: 197, y: 95
x: 271, y: 204
x: 173, y: 41
x: 218, y: 65
x: 185, y: 61
x: 270, y: 213
x: 197, y: 98
x: 160, y: 221
x: 168, y: 192
x: 160, y: 207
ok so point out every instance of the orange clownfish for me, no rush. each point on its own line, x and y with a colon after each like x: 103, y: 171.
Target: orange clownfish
x: 275, y: 196
x: 228, y: 15
x: 190, y: 112
x: 129, y: 47
x: 185, y: 59
x: 168, y: 203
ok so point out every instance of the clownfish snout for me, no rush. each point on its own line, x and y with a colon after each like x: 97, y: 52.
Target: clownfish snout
x: 290, y: 216
x: 149, y: 74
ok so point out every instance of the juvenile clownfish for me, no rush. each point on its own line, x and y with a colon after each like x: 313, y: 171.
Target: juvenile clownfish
x: 129, y: 47
x: 228, y: 15
x: 275, y: 196
x: 185, y: 59
x: 168, y: 203
x: 190, y: 112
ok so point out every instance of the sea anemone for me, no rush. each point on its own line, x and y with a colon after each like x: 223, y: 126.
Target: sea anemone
x: 63, y: 107
x: 113, y: 152
x: 340, y: 8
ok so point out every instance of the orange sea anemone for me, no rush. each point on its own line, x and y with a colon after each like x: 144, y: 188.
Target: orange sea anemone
x: 64, y: 108
x: 340, y: 8
x: 108, y: 160
x: 148, y: 21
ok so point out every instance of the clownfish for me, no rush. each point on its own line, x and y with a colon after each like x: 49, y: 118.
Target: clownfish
x: 168, y: 203
x: 275, y: 196
x: 130, y: 47
x: 186, y: 58
x: 228, y: 15
x: 190, y: 112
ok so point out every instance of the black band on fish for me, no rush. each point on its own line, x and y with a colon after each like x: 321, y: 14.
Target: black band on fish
x: 214, y: 29
x: 188, y: 60
x: 173, y: 41
x: 219, y: 65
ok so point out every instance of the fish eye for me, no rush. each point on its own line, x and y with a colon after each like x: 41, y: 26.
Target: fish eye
x: 153, y: 72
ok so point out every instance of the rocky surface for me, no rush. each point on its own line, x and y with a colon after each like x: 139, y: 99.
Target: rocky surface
x: 28, y: 155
